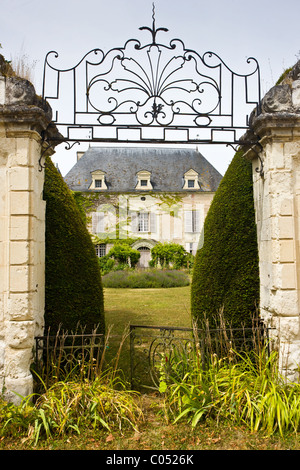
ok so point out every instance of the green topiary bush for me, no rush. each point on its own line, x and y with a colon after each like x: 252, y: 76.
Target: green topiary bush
x: 73, y: 293
x: 226, y: 273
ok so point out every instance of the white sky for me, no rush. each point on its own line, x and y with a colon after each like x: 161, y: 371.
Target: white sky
x: 234, y: 29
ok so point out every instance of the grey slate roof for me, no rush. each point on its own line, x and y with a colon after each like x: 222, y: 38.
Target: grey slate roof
x: 121, y: 164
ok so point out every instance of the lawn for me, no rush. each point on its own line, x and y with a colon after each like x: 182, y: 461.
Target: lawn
x: 159, y: 307
x: 151, y: 307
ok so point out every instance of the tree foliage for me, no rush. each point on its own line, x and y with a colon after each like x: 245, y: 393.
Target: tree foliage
x: 226, y: 274
x: 73, y: 293
x: 170, y: 253
x: 123, y: 254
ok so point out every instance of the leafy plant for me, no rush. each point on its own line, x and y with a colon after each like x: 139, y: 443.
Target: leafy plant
x: 170, y: 253
x: 124, y: 254
x: 242, y: 388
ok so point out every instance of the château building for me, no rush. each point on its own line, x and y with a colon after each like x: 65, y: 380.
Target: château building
x: 149, y: 195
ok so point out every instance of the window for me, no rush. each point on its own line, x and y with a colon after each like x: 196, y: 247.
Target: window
x: 143, y: 180
x: 98, y: 180
x: 191, y: 248
x: 97, y: 222
x: 191, y: 180
x: 192, y: 221
x: 143, y: 223
x: 101, y: 250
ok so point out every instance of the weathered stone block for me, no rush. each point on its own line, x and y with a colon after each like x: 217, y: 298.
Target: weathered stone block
x: 20, y: 334
x: 20, y: 307
x: 286, y: 206
x: 280, y: 182
x: 21, y: 154
x: 276, y: 157
x: 20, y: 227
x: 20, y: 203
x: 17, y: 362
x: 285, y: 227
x: 284, y: 276
x: 283, y: 303
x: 19, y: 179
x: 287, y: 251
x: 288, y: 276
x: 17, y: 388
x: 20, y: 252
x: 296, y: 94
x: 19, y: 279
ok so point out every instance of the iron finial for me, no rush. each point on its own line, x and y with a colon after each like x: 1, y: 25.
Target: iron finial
x: 153, y: 30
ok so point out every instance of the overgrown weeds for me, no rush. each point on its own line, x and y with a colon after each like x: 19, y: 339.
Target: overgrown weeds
x: 241, y: 388
x: 78, y: 400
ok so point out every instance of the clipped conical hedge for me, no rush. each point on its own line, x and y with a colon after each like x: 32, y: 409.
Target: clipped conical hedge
x: 226, y: 273
x: 73, y: 293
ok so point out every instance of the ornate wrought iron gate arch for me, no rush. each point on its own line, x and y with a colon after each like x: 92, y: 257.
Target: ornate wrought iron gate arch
x: 165, y: 93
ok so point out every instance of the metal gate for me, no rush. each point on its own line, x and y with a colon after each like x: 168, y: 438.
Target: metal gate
x: 155, y: 349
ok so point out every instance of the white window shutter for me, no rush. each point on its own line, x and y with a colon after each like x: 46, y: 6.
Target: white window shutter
x: 188, y: 221
x: 197, y: 221
x: 152, y: 222
x: 178, y: 224
x: 134, y: 221
x: 98, y: 222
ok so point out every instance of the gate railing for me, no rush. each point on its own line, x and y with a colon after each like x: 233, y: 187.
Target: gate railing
x: 150, y: 352
x: 155, y: 349
x: 64, y: 353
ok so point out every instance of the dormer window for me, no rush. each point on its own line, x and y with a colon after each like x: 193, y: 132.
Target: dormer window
x: 191, y: 180
x: 98, y: 180
x: 144, y: 180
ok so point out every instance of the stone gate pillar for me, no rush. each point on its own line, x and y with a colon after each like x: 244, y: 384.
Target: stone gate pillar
x: 22, y: 232
x: 277, y: 207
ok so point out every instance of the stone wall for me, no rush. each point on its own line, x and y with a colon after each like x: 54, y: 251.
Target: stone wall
x: 277, y: 205
x: 22, y: 231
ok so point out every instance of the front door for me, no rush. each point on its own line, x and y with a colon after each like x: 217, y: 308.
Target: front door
x: 145, y: 257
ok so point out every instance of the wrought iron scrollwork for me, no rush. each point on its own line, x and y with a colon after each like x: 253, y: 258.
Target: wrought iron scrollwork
x: 152, y: 93
x: 161, y: 353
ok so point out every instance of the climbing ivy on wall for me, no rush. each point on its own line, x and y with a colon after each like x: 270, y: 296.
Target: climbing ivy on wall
x: 73, y: 292
x: 226, y: 274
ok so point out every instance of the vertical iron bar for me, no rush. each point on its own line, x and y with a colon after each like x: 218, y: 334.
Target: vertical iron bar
x: 131, y: 338
x: 74, y: 90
